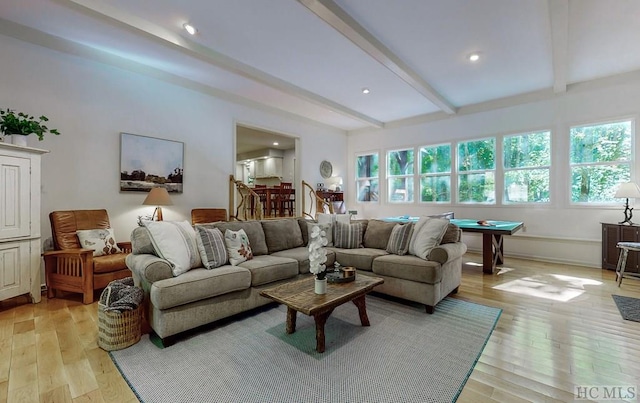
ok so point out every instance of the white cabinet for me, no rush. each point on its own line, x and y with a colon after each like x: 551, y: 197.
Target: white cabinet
x: 268, y: 167
x: 20, y: 221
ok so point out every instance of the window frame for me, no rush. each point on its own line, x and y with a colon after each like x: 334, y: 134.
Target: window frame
x: 364, y: 179
x: 570, y: 165
x: 505, y: 170
x: 409, y: 178
x: 450, y: 174
x: 459, y: 173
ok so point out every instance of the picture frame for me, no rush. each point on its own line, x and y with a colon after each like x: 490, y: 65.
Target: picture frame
x: 149, y: 162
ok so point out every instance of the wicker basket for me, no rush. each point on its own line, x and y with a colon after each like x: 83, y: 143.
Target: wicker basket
x: 118, y: 330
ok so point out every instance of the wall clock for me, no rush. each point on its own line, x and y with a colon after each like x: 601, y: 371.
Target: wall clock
x: 326, y: 169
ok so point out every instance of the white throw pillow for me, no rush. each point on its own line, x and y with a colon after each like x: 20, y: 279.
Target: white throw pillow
x: 175, y: 241
x: 427, y: 234
x: 331, y: 220
x: 102, y: 241
x: 238, y: 247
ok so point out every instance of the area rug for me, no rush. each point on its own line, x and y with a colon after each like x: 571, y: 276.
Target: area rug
x: 629, y: 307
x: 405, y: 355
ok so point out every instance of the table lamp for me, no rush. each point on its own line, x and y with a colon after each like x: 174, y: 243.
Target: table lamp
x: 628, y: 190
x: 157, y: 197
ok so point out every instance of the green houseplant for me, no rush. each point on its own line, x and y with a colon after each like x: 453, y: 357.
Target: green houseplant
x: 12, y: 123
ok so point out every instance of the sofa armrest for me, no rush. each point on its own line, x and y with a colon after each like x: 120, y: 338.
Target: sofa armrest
x: 446, y: 252
x: 148, y: 268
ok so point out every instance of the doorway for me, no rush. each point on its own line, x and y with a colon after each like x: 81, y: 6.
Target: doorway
x: 267, y: 158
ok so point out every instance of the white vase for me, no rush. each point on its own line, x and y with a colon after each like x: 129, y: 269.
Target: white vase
x: 19, y: 140
x: 321, y: 286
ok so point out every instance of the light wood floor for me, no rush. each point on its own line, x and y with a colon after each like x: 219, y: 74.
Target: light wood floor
x: 559, y: 328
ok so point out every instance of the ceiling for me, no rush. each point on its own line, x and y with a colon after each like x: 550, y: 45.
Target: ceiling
x: 312, y: 58
x: 249, y: 140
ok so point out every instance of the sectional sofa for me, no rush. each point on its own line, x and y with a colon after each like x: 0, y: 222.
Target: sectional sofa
x: 181, y: 301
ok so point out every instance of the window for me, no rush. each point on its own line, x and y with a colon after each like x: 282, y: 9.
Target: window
x: 400, y: 176
x: 435, y: 173
x: 367, y: 177
x: 600, y: 159
x: 527, y: 160
x: 476, y: 171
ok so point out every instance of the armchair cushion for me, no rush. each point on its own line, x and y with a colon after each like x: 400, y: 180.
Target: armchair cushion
x: 109, y: 263
x: 102, y: 241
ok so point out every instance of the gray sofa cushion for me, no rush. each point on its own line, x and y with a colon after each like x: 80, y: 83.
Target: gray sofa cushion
x: 377, y: 234
x: 268, y: 268
x: 253, y: 229
x: 302, y: 222
x: 141, y: 242
x: 408, y: 267
x: 282, y: 234
x: 360, y: 258
x: 301, y: 254
x: 452, y: 234
x: 198, y: 284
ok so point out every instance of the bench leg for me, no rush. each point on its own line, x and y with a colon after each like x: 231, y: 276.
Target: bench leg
x: 622, y: 263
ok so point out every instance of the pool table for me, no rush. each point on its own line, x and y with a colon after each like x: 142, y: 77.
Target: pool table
x: 492, y: 232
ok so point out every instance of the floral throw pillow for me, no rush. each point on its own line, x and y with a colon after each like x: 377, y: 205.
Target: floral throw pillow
x: 102, y: 241
x: 238, y: 247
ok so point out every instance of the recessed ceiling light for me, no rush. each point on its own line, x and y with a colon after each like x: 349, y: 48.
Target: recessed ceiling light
x: 365, y: 90
x: 189, y: 28
x: 275, y: 143
x: 474, y: 57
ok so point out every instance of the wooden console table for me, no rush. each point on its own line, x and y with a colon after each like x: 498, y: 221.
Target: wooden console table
x: 335, y: 198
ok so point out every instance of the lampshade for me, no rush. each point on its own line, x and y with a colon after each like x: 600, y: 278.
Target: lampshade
x: 628, y: 190
x: 158, y: 197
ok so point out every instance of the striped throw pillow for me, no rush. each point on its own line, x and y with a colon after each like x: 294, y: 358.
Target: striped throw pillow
x: 399, y: 240
x: 213, y: 251
x: 347, y: 236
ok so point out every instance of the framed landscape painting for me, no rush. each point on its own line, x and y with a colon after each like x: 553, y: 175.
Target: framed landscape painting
x: 148, y: 162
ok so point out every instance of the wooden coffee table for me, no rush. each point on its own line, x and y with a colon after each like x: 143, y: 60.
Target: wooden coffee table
x: 299, y: 296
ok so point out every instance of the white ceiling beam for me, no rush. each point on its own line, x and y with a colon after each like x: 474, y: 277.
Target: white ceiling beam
x: 335, y: 16
x: 559, y: 20
x: 171, y: 40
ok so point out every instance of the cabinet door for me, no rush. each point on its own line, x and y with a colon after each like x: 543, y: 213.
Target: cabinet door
x: 260, y: 172
x: 14, y: 197
x: 14, y: 269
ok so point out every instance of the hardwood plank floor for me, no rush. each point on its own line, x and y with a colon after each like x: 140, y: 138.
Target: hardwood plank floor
x: 559, y: 328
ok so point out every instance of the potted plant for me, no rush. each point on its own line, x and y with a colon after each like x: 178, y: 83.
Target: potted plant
x: 317, y: 258
x: 12, y: 123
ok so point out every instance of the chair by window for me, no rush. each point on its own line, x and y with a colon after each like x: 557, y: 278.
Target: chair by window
x: 69, y: 267
x: 206, y: 215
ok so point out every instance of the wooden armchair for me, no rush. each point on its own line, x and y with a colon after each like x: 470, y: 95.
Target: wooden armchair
x: 206, y: 215
x: 69, y: 267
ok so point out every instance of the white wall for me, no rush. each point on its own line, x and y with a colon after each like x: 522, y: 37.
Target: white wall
x: 92, y: 103
x: 557, y: 232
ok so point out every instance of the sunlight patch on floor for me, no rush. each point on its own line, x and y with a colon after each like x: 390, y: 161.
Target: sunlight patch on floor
x: 556, y: 287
